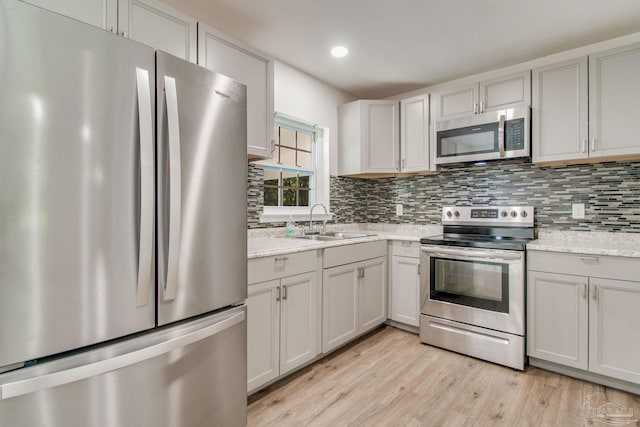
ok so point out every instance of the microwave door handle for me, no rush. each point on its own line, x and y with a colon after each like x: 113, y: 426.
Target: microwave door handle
x: 501, y: 135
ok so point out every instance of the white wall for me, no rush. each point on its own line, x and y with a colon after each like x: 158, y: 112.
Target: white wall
x: 299, y: 95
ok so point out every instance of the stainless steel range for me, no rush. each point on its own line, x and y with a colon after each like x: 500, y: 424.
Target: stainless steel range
x: 472, y: 285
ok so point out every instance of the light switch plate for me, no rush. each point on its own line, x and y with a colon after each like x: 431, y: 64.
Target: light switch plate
x: 577, y: 211
x: 399, y: 210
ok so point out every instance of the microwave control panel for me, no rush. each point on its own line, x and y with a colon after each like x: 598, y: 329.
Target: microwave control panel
x: 514, y: 134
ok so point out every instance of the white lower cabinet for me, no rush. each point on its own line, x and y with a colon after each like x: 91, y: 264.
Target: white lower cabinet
x: 404, y: 294
x: 578, y: 318
x: 614, y: 325
x: 282, y: 318
x: 558, y: 320
x: 353, y: 292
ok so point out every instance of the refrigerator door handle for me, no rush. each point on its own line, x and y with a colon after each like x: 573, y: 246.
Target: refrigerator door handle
x: 146, y: 187
x: 171, y: 97
x: 67, y: 376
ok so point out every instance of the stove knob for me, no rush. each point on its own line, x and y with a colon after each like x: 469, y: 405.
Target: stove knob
x: 504, y: 214
x: 523, y: 214
x: 514, y: 214
x: 448, y: 214
x: 456, y: 214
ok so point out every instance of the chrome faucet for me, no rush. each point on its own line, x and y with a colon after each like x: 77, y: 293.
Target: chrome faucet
x: 324, y: 223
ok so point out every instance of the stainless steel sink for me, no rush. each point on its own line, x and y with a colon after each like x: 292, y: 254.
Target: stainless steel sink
x: 333, y: 235
x: 346, y: 234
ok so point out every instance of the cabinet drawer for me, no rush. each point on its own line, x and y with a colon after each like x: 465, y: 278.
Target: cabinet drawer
x: 353, y: 253
x: 274, y: 267
x: 610, y: 267
x: 405, y: 248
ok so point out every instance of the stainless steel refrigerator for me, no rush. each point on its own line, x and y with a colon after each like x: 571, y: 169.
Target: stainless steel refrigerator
x: 122, y: 231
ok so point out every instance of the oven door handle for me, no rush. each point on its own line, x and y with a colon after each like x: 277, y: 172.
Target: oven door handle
x: 444, y: 253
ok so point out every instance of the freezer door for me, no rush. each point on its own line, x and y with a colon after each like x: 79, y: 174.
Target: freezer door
x: 76, y: 184
x: 191, y: 375
x: 202, y: 190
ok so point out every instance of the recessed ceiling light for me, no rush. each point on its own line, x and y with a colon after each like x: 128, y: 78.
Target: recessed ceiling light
x: 339, y: 51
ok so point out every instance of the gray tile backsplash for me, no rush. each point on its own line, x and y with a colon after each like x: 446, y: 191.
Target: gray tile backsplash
x: 610, y: 192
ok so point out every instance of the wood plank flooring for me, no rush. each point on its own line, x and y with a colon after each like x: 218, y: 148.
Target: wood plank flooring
x: 390, y: 379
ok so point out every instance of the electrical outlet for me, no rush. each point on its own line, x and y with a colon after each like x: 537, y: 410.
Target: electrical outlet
x: 577, y: 211
x: 399, y: 210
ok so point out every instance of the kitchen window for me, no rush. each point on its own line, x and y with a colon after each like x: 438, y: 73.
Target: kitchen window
x: 289, y: 181
x: 295, y: 178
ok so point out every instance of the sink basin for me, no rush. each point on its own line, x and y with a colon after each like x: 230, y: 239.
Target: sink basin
x: 333, y: 235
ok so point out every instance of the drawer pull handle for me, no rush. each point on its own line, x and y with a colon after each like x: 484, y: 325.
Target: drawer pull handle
x: 278, y: 293
x: 282, y: 258
x: 284, y: 293
x: 590, y: 258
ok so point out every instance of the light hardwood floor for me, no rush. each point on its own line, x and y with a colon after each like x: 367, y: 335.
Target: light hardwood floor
x: 390, y: 379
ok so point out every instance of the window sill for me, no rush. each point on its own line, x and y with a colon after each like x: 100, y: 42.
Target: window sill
x: 296, y: 215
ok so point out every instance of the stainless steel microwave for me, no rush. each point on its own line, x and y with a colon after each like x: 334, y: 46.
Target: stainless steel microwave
x: 502, y: 134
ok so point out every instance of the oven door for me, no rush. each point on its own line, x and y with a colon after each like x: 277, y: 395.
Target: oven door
x: 481, y: 287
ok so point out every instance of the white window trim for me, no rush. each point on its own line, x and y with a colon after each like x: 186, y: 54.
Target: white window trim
x: 300, y: 214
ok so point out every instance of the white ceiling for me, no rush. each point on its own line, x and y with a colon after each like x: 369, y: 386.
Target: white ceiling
x: 400, y: 45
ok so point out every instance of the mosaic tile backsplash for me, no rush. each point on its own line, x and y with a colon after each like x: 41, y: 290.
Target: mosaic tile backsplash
x: 610, y: 192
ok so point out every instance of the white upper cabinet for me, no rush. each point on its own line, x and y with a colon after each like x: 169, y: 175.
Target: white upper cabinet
x: 414, y: 134
x: 101, y: 13
x: 368, y: 137
x: 159, y: 26
x: 614, y: 107
x: 587, y: 107
x: 454, y: 103
x: 505, y: 92
x: 146, y: 21
x: 489, y: 95
x: 219, y: 53
x: 559, y: 110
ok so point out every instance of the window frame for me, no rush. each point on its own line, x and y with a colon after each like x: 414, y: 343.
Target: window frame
x: 319, y: 187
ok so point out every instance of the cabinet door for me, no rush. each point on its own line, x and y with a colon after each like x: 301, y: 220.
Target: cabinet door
x: 557, y: 318
x: 381, y: 137
x: 263, y: 323
x: 157, y: 25
x: 454, y: 103
x: 298, y: 321
x: 614, y: 341
x: 614, y: 110
x: 339, y: 306
x: 414, y: 134
x: 373, y: 294
x: 559, y: 111
x: 219, y: 53
x: 505, y: 92
x: 100, y: 13
x: 405, y: 290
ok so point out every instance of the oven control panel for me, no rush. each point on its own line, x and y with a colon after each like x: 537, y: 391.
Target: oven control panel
x: 520, y: 216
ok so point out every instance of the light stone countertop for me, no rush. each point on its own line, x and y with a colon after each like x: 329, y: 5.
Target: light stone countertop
x: 592, y: 243
x: 271, y: 241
